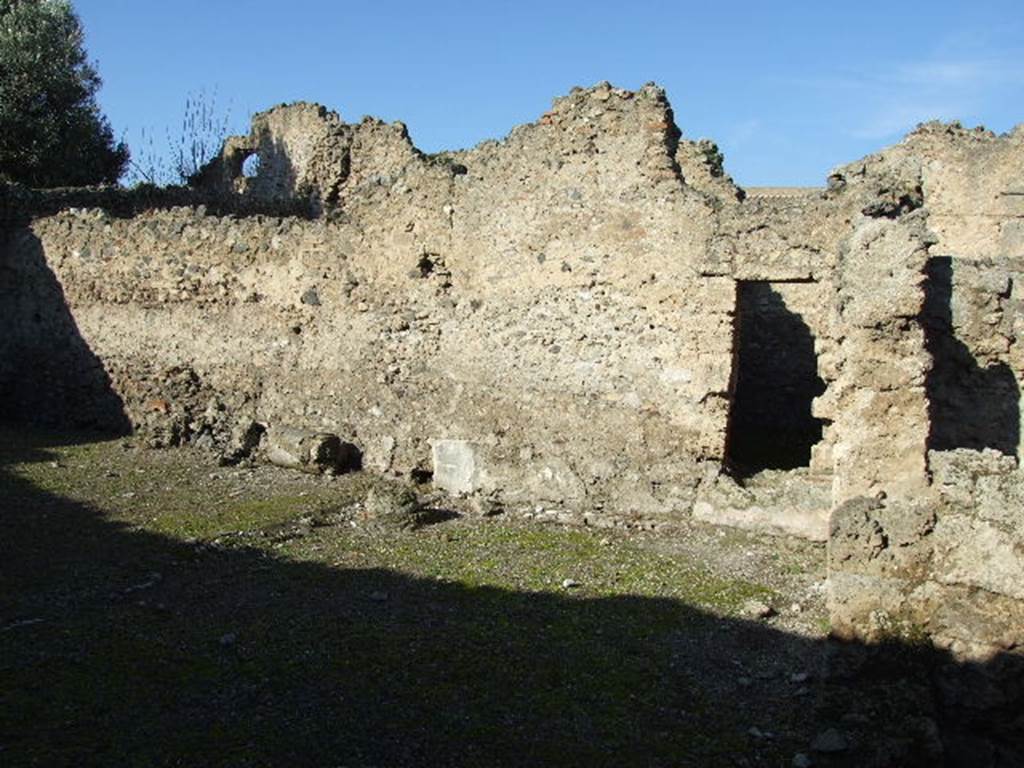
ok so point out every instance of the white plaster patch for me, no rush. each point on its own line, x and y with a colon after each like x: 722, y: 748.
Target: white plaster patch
x: 676, y: 376
x: 455, y: 465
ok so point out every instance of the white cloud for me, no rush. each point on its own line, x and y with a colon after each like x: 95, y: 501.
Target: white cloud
x: 961, y: 73
x: 744, y: 131
x: 957, y: 82
x: 897, y: 119
x: 894, y: 101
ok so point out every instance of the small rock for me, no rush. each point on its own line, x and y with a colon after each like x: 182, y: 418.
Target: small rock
x: 569, y: 584
x: 308, y: 451
x: 311, y: 298
x: 744, y: 682
x: 757, y: 609
x: 228, y: 640
x: 245, y: 439
x: 801, y: 760
x: 830, y: 741
x: 393, y: 504
x: 152, y: 579
x: 379, y: 597
x: 799, y: 677
x: 486, y: 506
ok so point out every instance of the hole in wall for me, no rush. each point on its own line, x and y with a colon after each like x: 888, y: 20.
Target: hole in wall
x: 427, y: 264
x: 775, y: 372
x: 421, y: 476
x: 251, y: 166
x: 969, y: 405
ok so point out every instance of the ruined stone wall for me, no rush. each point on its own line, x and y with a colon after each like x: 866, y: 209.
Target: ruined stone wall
x: 552, y: 319
x: 537, y: 298
x: 927, y: 533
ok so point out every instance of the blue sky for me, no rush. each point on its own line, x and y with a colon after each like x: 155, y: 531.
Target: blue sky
x: 788, y: 90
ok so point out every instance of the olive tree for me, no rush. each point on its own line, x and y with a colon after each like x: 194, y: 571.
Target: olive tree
x: 52, y: 132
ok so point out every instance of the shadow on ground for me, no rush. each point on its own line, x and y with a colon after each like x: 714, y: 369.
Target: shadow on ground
x: 122, y: 647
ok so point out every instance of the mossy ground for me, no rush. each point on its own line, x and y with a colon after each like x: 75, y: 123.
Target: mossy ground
x: 158, y: 610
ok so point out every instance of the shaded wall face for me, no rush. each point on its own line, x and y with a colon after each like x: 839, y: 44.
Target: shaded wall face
x: 973, y: 397
x: 48, y: 373
x: 974, y: 191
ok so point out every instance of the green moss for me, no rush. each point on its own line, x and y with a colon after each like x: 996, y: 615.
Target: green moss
x: 188, y: 521
x: 457, y: 641
x: 531, y: 558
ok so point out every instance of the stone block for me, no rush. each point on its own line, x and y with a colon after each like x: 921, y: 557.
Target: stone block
x: 456, y: 465
x: 309, y: 451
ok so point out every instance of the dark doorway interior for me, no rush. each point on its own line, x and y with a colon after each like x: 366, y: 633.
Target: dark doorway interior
x: 776, y: 378
x: 970, y: 406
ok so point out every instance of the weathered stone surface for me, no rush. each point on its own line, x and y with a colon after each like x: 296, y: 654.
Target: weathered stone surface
x: 780, y: 503
x: 980, y: 553
x: 881, y: 412
x: 806, y: 524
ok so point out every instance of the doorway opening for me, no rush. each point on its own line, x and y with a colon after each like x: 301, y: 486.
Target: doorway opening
x: 775, y: 380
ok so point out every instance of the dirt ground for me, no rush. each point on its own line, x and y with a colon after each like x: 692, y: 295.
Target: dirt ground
x: 160, y: 610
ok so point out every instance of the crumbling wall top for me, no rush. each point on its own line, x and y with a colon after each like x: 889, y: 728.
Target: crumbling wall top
x: 306, y: 150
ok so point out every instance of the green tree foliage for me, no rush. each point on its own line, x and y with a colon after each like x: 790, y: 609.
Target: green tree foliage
x: 51, y: 130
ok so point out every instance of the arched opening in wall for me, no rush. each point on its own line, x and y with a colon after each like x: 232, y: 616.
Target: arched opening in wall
x: 775, y: 380
x: 251, y: 166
